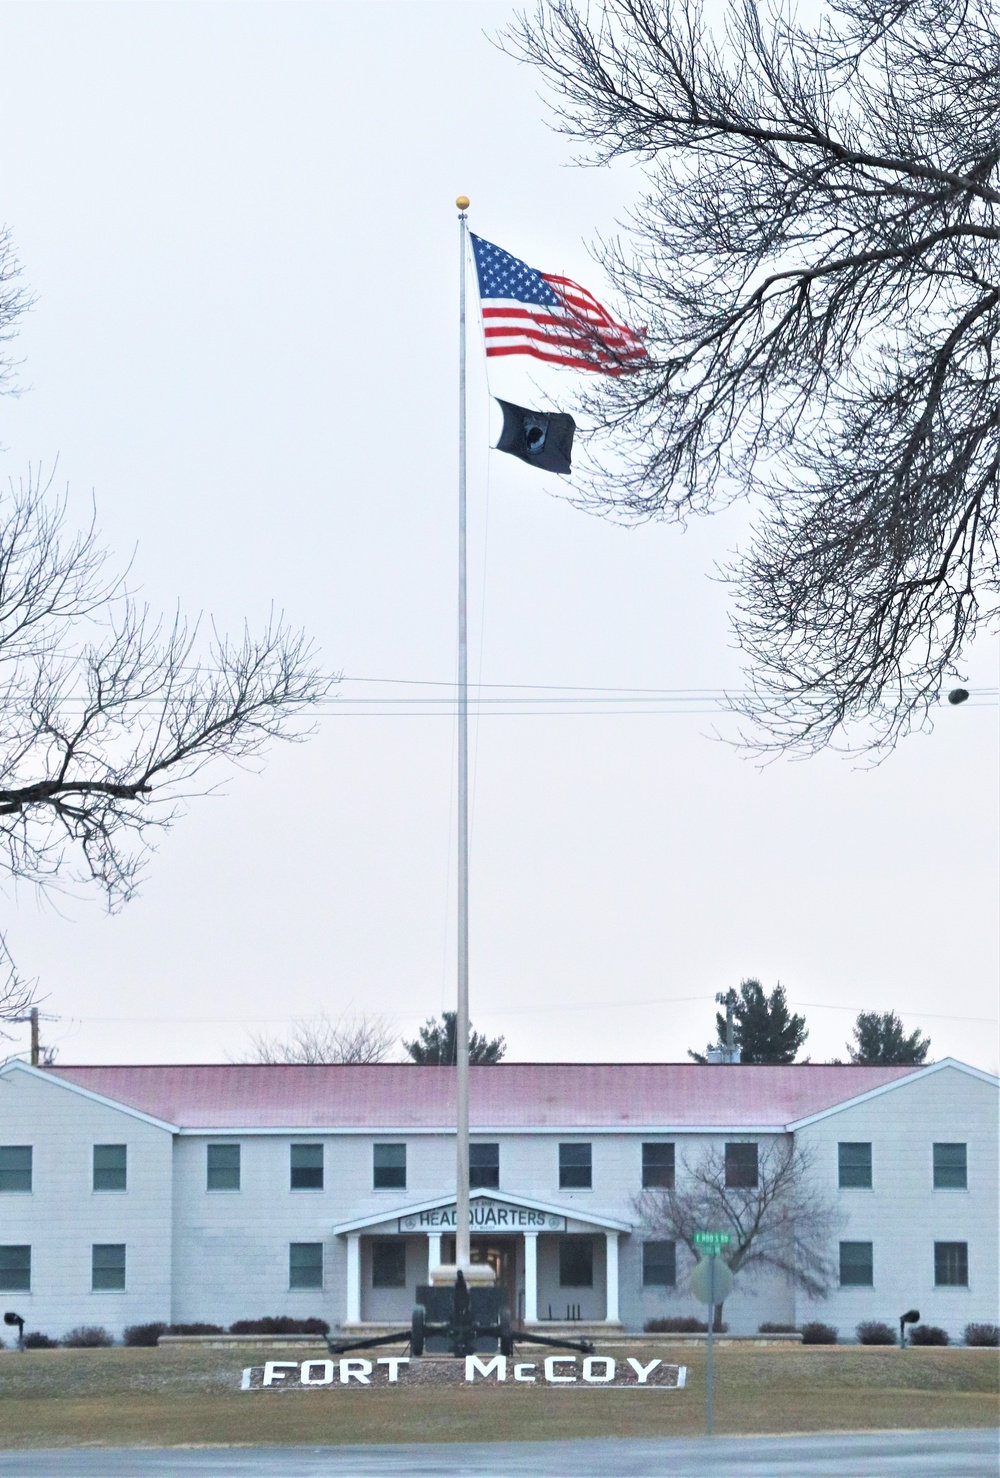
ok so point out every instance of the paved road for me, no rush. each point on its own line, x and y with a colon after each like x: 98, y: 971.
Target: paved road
x: 973, y: 1454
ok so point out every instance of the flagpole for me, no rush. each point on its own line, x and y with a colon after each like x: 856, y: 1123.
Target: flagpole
x: 462, y: 1241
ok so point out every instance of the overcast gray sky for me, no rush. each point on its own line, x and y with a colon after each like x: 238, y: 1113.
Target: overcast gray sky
x: 238, y: 222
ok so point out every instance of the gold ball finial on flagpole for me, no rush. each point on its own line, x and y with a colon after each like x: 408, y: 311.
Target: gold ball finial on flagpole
x: 462, y: 202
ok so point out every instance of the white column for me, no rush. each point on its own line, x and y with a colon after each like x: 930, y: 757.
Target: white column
x: 433, y: 1252
x: 531, y: 1277
x: 611, y: 1277
x: 353, y: 1278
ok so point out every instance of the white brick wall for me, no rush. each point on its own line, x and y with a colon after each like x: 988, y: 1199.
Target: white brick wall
x: 218, y: 1256
x: 903, y: 1215
x: 64, y: 1216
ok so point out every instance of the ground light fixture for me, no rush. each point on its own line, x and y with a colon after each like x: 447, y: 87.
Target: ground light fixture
x: 12, y: 1318
x: 912, y: 1316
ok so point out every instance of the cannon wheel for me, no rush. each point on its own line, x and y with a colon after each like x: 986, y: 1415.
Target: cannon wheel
x: 506, y: 1337
x: 417, y: 1331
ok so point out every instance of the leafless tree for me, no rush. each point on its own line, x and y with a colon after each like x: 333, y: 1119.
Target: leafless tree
x: 350, y: 1039
x: 110, y: 720
x: 780, y: 1219
x: 817, y: 258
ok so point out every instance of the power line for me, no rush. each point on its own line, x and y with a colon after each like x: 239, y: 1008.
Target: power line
x: 501, y: 1012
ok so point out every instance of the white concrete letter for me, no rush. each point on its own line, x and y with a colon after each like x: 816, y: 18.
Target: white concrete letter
x: 325, y: 1379
x: 353, y: 1279
x: 359, y: 1370
x: 394, y: 1362
x: 474, y: 1366
x: 642, y: 1371
x: 682, y: 1376
x: 274, y: 1370
x: 611, y: 1278
x: 550, y: 1369
x: 518, y: 1373
x: 588, y: 1369
x: 531, y: 1277
x: 245, y: 1382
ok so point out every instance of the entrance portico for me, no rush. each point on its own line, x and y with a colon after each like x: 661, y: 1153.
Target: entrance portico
x: 558, y: 1262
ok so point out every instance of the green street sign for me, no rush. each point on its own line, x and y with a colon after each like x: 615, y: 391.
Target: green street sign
x: 712, y: 1241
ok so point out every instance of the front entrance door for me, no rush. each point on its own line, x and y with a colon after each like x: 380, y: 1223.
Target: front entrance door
x: 500, y: 1253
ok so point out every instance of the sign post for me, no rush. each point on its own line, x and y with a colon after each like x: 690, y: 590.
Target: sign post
x: 711, y: 1282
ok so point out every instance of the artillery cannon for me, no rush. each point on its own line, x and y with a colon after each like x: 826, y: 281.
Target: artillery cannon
x: 462, y: 1320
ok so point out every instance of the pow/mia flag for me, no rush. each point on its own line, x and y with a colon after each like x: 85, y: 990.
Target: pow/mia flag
x: 540, y: 438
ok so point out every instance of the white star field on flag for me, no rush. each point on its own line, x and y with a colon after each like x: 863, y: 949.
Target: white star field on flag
x: 574, y: 330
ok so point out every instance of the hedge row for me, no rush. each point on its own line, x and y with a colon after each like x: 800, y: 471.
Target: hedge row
x: 873, y: 1332
x: 680, y: 1326
x: 148, y: 1334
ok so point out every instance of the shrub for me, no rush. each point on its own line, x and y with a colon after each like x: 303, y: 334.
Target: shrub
x: 819, y: 1334
x: 144, y: 1334
x: 87, y: 1337
x: 875, y: 1333
x: 35, y: 1341
x: 776, y: 1329
x: 281, y: 1324
x: 928, y: 1334
x: 195, y: 1329
x: 981, y: 1334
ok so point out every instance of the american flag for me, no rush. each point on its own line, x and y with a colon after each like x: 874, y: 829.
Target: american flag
x: 549, y: 317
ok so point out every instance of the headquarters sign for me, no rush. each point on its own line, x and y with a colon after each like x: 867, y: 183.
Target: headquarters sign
x: 484, y: 1216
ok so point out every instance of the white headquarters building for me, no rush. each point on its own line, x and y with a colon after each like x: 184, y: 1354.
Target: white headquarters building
x: 211, y: 1194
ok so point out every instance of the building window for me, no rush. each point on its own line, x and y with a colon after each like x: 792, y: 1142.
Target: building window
x: 307, y: 1167
x: 951, y: 1264
x: 856, y: 1265
x: 576, y: 1262
x: 223, y: 1167
x: 574, y: 1170
x: 741, y: 1166
x: 389, y: 1263
x: 950, y: 1167
x: 659, y: 1264
x: 658, y: 1166
x: 15, y: 1269
x: 390, y: 1167
x: 15, y: 1167
x: 110, y: 1167
x: 305, y: 1265
x: 107, y: 1267
x: 484, y: 1165
x: 854, y: 1166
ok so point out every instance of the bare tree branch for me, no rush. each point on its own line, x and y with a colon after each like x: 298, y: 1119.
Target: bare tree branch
x: 817, y: 258
x: 17, y: 995
x: 111, y: 722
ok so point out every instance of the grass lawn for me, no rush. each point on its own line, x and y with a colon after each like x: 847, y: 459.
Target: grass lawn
x: 119, y: 1397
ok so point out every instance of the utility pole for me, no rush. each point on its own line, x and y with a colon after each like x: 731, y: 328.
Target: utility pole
x: 31, y: 1017
x: 730, y: 1053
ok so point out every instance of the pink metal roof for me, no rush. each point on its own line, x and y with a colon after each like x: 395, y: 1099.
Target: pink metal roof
x: 508, y: 1096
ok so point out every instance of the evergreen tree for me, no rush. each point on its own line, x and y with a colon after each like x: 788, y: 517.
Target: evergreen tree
x: 436, y: 1045
x: 764, y: 1029
x: 880, y: 1039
